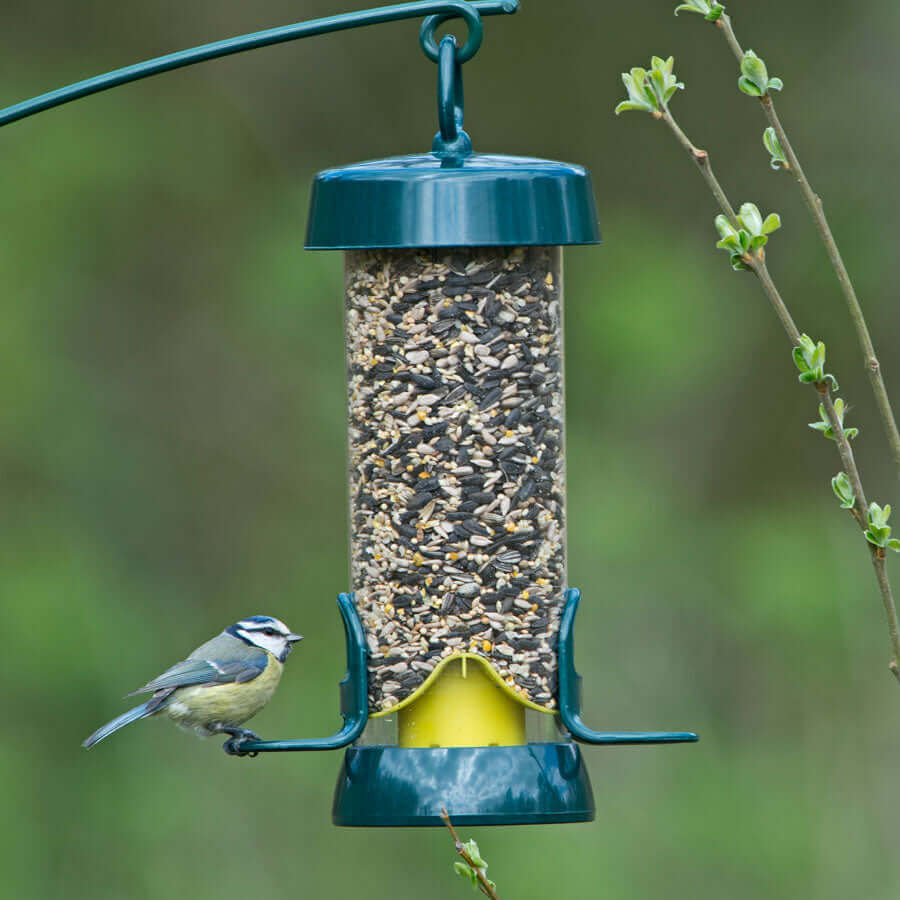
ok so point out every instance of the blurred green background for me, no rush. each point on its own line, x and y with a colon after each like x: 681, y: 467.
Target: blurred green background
x: 172, y: 446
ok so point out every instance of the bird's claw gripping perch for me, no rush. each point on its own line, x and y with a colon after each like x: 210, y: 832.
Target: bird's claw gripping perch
x: 233, y: 747
x: 240, y: 736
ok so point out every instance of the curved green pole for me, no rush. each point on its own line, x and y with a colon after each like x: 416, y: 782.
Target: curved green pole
x: 354, y: 696
x: 570, y: 693
x: 439, y: 11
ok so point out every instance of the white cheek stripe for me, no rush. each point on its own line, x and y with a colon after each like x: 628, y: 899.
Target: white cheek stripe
x: 273, y: 643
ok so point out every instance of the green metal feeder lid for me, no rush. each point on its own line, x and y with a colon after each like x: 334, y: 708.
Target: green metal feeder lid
x: 452, y: 200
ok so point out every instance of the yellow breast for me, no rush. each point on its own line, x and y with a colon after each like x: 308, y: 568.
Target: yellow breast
x: 232, y: 704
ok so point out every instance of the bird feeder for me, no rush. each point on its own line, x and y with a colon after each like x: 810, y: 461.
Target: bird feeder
x: 461, y: 690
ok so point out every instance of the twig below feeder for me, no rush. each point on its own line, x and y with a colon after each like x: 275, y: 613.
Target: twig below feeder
x: 476, y: 866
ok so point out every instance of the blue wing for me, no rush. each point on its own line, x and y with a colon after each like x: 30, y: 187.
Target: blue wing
x: 207, y: 671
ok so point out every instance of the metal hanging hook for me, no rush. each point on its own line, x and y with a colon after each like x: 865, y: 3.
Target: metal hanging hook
x: 473, y: 39
x: 451, y: 139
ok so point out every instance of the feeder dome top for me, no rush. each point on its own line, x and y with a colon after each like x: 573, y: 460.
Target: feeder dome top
x: 452, y: 200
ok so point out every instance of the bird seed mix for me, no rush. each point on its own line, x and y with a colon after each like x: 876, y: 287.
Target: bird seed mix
x: 457, y: 484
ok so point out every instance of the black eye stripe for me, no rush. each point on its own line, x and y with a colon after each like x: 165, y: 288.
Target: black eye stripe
x: 264, y: 629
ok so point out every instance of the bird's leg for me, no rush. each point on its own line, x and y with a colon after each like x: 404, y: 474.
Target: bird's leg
x: 239, y: 736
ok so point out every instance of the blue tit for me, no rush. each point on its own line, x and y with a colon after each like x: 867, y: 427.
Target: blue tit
x: 220, y: 685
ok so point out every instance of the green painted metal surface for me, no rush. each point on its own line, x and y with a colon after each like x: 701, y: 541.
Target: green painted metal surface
x: 534, y: 784
x: 436, y: 200
x: 570, y: 693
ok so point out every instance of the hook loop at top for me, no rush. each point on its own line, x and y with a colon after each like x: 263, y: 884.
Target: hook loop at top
x: 473, y: 39
x: 451, y: 139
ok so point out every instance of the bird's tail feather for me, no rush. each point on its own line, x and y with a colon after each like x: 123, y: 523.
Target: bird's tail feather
x: 145, y: 709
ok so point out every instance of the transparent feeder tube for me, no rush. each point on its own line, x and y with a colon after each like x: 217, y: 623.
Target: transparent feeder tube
x: 457, y: 469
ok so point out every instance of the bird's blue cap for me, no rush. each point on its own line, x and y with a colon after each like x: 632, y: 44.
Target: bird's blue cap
x: 452, y: 200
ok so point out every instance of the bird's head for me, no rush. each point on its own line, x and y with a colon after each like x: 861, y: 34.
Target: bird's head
x: 265, y: 632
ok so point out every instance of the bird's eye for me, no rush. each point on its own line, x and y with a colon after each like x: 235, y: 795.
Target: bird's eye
x: 270, y: 631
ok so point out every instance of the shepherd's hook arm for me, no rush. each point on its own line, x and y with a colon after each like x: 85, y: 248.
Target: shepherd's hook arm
x: 470, y: 11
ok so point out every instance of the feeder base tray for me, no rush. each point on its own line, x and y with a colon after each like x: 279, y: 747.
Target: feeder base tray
x: 532, y: 784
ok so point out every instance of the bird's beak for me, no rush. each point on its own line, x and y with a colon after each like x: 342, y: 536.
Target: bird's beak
x: 293, y: 638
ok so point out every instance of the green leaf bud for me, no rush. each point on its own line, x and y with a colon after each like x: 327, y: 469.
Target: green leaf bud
x: 471, y: 848
x: 640, y: 95
x: 809, y: 358
x: 879, y: 532
x: 711, y: 11
x: 754, y: 79
x: 747, y: 239
x: 462, y: 869
x: 843, y: 490
x: 748, y: 87
x: 650, y: 91
x: 773, y: 145
x: 824, y: 424
x: 750, y: 218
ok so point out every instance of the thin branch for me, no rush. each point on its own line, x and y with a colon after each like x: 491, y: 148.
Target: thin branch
x: 861, y: 509
x: 880, y: 564
x: 723, y: 23
x: 758, y: 264
x: 486, y: 887
x: 701, y: 158
x: 756, y: 261
x: 817, y: 211
x: 861, y: 514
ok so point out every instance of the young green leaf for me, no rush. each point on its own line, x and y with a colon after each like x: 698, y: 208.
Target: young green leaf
x: 749, y: 87
x: 749, y: 238
x: 471, y: 848
x: 754, y: 79
x: 809, y: 358
x: 750, y: 218
x: 773, y: 145
x: 771, y: 223
x: 730, y: 236
x: 710, y: 11
x: 467, y: 872
x: 462, y: 869
x: 824, y: 425
x: 664, y: 81
x: 879, y: 532
x: 843, y: 490
x: 640, y: 95
x: 650, y: 91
